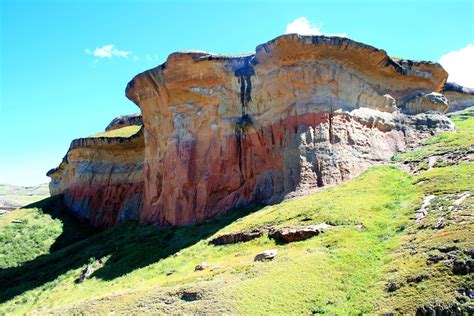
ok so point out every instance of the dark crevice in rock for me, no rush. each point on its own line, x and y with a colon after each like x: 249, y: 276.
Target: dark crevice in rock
x: 319, y: 173
x: 331, y: 134
x: 244, y: 74
x: 239, y: 131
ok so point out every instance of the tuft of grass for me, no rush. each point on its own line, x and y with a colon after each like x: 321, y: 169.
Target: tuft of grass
x: 126, y: 131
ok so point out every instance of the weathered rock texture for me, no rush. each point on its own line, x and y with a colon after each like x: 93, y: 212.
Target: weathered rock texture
x: 222, y: 132
x: 125, y: 120
x: 459, y: 97
x: 101, y: 179
x: 292, y: 234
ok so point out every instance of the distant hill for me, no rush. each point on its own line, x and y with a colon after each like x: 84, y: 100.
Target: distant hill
x: 13, y: 196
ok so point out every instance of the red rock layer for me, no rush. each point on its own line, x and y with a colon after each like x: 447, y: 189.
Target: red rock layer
x: 222, y: 132
x: 101, y: 179
x: 226, y: 131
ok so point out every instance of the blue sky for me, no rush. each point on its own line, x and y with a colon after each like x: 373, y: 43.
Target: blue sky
x: 60, y: 80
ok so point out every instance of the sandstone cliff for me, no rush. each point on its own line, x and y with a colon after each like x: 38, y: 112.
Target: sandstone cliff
x: 222, y: 132
x: 459, y: 97
x: 101, y: 178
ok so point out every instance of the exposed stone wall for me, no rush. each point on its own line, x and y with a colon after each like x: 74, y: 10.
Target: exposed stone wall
x: 101, y: 179
x: 459, y: 97
x: 222, y: 132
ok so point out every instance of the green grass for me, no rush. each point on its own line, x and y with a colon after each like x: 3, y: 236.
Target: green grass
x: 25, y: 240
x: 436, y: 282
x: 139, y: 257
x: 450, y: 179
x: 126, y: 131
x: 28, y: 233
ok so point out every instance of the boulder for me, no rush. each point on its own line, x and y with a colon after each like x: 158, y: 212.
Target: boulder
x: 291, y: 234
x: 266, y: 255
x: 202, y: 266
x: 427, y: 102
x: 86, y: 273
x: 234, y: 238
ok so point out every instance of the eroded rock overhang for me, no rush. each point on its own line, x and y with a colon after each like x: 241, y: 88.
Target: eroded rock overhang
x: 223, y: 131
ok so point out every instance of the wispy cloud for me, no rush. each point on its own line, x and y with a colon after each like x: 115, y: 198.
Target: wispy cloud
x: 107, y: 51
x: 303, y: 26
x: 149, y: 57
x: 460, y: 65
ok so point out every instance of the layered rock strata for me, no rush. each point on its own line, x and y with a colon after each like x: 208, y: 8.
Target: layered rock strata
x: 222, y: 132
x: 459, y: 97
x: 101, y: 179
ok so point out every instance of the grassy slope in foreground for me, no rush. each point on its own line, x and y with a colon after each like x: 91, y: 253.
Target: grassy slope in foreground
x: 427, y: 272
x: 374, y: 261
x: 339, y: 271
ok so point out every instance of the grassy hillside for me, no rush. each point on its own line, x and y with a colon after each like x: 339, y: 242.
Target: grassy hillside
x: 376, y: 259
x: 28, y: 233
x: 18, y: 196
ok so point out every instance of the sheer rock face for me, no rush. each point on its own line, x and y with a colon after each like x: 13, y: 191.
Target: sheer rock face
x: 101, y: 179
x: 222, y: 132
x: 459, y: 97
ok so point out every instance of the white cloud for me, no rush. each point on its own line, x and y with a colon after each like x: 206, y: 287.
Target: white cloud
x: 107, y: 51
x: 460, y: 65
x: 149, y: 57
x: 303, y: 26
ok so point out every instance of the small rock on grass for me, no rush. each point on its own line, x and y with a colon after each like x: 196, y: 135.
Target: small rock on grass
x: 201, y: 266
x: 266, y: 255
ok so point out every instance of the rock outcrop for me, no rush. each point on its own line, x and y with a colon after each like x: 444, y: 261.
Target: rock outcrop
x: 292, y: 234
x: 125, y: 120
x: 233, y: 238
x: 459, y: 97
x: 222, y: 132
x: 101, y: 179
x: 427, y: 102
